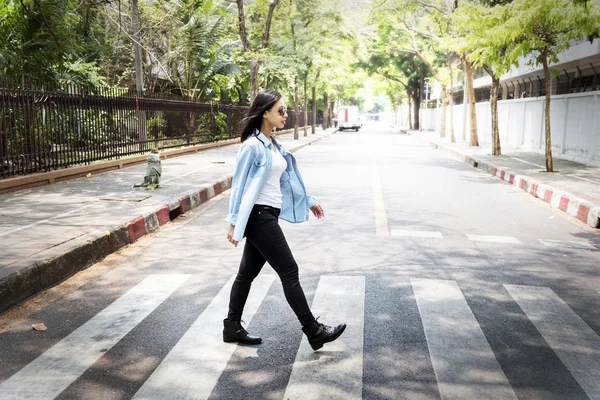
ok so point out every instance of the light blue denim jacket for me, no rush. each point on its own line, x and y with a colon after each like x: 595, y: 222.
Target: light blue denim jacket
x: 254, y: 159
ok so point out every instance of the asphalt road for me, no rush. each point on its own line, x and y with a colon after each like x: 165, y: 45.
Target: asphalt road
x: 454, y: 285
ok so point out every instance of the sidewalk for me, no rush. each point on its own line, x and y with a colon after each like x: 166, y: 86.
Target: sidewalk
x: 574, y: 188
x: 51, y: 232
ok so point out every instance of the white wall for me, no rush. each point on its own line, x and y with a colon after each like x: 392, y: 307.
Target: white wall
x: 428, y: 117
x: 575, y: 122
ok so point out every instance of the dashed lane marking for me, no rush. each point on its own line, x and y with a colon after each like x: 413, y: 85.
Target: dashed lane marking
x: 492, y: 239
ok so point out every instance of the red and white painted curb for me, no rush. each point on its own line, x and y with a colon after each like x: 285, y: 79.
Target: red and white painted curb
x: 96, y: 245
x: 577, y: 207
x: 583, y: 210
x: 144, y: 224
x: 149, y: 222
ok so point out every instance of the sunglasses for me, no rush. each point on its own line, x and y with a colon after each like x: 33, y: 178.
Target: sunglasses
x: 282, y: 110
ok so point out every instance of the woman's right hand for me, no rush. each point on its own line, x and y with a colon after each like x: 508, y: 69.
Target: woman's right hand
x: 230, y: 235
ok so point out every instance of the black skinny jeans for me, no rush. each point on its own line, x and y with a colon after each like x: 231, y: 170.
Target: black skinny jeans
x: 265, y: 242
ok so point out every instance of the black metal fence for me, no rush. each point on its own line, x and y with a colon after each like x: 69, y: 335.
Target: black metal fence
x: 43, y: 129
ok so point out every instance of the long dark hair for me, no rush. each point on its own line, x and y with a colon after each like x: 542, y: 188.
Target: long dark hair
x: 263, y: 102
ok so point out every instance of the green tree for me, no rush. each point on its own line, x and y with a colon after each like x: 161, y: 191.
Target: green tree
x: 474, y: 22
x: 535, y: 32
x: 255, y: 34
x: 407, y: 37
x: 201, y: 49
x: 50, y: 41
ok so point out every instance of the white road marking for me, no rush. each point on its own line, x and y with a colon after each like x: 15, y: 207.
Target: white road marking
x: 492, y: 239
x: 567, y: 244
x: 573, y: 341
x: 334, y: 371
x: 417, y: 234
x: 381, y: 225
x: 464, y: 363
x: 193, y: 367
x: 44, y: 221
x: 52, y: 372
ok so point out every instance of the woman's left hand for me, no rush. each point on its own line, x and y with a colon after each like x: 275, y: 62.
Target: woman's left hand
x: 317, y: 210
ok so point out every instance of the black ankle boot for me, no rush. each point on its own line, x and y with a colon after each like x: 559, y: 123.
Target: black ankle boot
x: 318, y: 334
x: 233, y: 331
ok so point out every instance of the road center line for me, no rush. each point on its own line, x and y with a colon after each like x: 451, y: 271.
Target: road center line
x: 381, y: 225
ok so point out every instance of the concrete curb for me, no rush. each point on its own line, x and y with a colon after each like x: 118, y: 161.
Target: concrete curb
x: 97, y: 245
x: 583, y: 210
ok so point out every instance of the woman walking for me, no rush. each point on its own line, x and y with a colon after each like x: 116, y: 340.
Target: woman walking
x: 267, y: 185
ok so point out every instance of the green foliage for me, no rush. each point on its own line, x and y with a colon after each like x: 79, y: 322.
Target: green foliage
x: 51, y: 41
x: 212, y: 125
x: 527, y: 30
x: 201, y: 50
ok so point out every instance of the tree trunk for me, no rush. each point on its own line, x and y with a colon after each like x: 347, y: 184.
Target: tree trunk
x: 473, y: 113
x: 331, y: 107
x: 421, y: 91
x: 451, y: 96
x: 137, y: 49
x: 417, y: 109
x: 410, y: 111
x: 549, y: 166
x: 465, y: 109
x: 325, y: 110
x: 254, y: 68
x: 314, y: 110
x: 444, y: 107
x: 296, y: 108
x: 139, y: 67
x: 452, y: 135
x: 495, y: 130
x: 305, y: 106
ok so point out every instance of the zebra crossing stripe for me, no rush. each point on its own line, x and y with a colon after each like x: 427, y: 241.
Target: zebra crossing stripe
x: 463, y: 361
x: 573, y: 341
x: 335, y: 371
x: 52, y: 372
x: 192, y: 368
x: 492, y: 239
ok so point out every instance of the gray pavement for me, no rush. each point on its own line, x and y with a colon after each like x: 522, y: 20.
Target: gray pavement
x: 444, y: 275
x: 578, y: 183
x: 50, y: 232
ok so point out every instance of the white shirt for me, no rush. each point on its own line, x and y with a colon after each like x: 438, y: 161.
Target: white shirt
x: 270, y: 195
